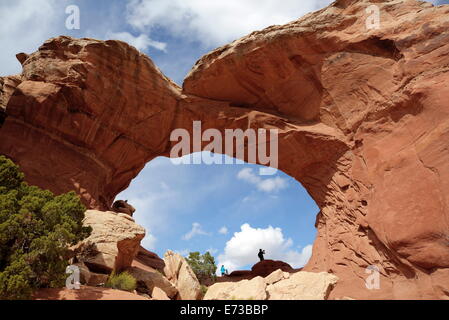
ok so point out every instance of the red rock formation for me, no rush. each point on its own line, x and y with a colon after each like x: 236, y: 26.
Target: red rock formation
x: 260, y: 269
x: 245, y: 274
x: 88, y: 115
x: 7, y: 87
x: 372, y: 106
x: 149, y: 278
x: 150, y: 259
x: 362, y: 117
x: 122, y: 206
x: 267, y: 267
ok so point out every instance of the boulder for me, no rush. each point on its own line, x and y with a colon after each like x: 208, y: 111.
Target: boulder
x: 90, y: 278
x: 276, y: 276
x: 277, y: 286
x: 122, y: 206
x: 260, y: 269
x: 85, y: 273
x: 97, y: 279
x: 266, y: 267
x: 303, y: 286
x: 159, y: 294
x: 113, y: 243
x: 152, y: 278
x: 253, y: 289
x: 178, y: 271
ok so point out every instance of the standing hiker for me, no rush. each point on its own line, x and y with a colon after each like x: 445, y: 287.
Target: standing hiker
x: 260, y: 255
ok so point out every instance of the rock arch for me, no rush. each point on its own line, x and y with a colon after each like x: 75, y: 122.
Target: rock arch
x: 362, y: 116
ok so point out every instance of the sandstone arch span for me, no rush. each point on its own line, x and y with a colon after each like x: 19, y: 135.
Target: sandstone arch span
x: 362, y: 114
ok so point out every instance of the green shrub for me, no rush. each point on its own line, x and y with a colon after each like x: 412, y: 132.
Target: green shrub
x: 204, y: 290
x: 123, y: 281
x: 36, y: 229
x: 202, y: 265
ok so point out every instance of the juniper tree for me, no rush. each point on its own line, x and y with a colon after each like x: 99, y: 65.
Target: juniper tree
x: 202, y: 265
x: 36, y: 230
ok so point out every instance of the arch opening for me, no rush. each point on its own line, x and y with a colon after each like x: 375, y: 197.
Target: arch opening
x: 228, y: 210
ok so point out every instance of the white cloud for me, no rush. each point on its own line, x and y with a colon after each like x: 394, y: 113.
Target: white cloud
x: 267, y: 185
x: 223, y: 230
x: 26, y: 24
x: 196, y: 231
x: 243, y: 247
x: 162, y: 194
x: 141, y: 42
x: 299, y: 259
x: 149, y: 242
x: 216, y: 22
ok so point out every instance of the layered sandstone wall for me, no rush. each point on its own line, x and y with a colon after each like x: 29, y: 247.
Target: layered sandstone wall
x: 88, y: 115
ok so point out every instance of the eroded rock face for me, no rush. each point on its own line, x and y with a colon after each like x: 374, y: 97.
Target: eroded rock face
x: 7, y: 88
x: 367, y: 124
x: 362, y: 117
x: 113, y: 243
x: 152, y: 279
x: 87, y: 108
x: 150, y: 259
x: 178, y: 271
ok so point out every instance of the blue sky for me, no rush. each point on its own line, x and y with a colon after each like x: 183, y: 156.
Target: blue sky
x: 226, y: 209
x: 188, y: 28
x: 201, y: 207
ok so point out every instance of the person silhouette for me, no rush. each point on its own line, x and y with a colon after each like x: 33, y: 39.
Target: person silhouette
x: 260, y: 255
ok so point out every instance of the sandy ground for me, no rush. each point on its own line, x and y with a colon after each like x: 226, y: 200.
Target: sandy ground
x: 86, y: 293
